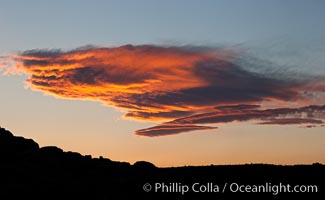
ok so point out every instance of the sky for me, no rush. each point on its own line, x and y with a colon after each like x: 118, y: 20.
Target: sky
x: 171, y: 82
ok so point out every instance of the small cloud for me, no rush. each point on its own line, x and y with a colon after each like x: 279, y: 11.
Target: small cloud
x: 284, y: 121
x: 170, y: 129
x: 308, y: 126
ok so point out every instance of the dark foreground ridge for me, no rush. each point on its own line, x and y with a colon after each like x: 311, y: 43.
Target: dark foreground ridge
x: 30, y: 172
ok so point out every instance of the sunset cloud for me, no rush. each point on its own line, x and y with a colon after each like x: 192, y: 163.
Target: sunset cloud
x: 170, y: 129
x: 241, y: 113
x: 284, y: 121
x: 308, y: 126
x: 307, y: 112
x: 186, y: 85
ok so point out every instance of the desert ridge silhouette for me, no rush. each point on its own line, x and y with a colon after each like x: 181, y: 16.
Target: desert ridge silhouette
x: 32, y: 172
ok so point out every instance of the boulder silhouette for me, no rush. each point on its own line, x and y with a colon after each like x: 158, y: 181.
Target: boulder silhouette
x: 5, y: 133
x: 144, y: 165
x: 51, y: 151
x: 12, y: 147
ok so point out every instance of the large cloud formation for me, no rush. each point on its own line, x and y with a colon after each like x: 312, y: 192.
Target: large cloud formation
x: 187, y: 85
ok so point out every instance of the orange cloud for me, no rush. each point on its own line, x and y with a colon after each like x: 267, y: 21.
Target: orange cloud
x: 154, y: 83
x: 115, y: 75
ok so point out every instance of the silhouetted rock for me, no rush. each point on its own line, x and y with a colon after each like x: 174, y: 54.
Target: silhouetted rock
x: 12, y: 148
x: 30, y: 172
x: 51, y: 150
x: 144, y: 165
x: 5, y: 133
x: 74, y: 155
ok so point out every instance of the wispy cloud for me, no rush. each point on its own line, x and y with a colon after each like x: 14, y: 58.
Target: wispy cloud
x: 284, y: 121
x: 188, y: 83
x: 241, y: 113
x: 170, y: 129
x: 307, y: 112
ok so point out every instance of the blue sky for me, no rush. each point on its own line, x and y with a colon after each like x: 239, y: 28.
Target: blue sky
x: 69, y: 24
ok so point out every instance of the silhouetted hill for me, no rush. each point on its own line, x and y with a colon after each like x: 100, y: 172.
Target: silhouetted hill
x: 30, y: 172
